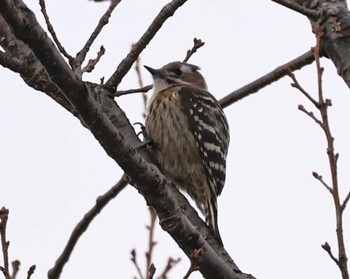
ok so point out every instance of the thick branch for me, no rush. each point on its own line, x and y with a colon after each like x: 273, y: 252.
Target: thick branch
x: 10, y: 62
x: 334, y: 20
x: 32, y: 71
x: 291, y: 4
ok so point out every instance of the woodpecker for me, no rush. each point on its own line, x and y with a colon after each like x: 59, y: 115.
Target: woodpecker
x: 191, y: 134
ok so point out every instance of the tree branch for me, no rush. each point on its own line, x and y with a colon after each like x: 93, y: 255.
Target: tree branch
x: 82, y: 226
x: 11, y: 62
x: 102, y: 22
x: 291, y: 4
x: 53, y: 33
x: 32, y: 72
x: 15, y: 268
x: 346, y: 200
x: 279, y: 72
x: 328, y: 249
x: 197, y: 43
x: 320, y: 178
x: 334, y: 20
x: 132, y: 91
x: 4, y: 215
x: 136, y: 264
x: 322, y: 105
x: 93, y: 62
x: 125, y: 65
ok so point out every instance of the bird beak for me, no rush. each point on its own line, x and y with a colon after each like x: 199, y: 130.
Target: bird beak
x: 154, y: 72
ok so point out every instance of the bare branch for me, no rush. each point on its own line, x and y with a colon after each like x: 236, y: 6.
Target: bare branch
x: 15, y: 268
x: 297, y: 85
x: 102, y: 22
x: 279, y: 72
x: 81, y: 227
x: 132, y: 91
x: 137, y: 266
x: 291, y: 4
x: 169, y: 266
x: 334, y: 20
x: 197, y: 43
x: 125, y: 65
x: 311, y: 114
x: 322, y: 105
x: 151, y: 241
x: 151, y: 271
x: 320, y: 178
x: 92, y: 62
x: 5, y: 273
x: 196, y: 258
x: 11, y: 62
x: 31, y: 271
x: 32, y: 72
x: 346, y: 200
x: 139, y: 76
x: 328, y: 249
x: 52, y: 31
x: 4, y: 215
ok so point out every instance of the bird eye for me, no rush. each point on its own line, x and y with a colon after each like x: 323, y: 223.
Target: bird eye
x: 178, y: 72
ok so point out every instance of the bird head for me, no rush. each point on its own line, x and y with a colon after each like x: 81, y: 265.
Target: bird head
x: 177, y: 73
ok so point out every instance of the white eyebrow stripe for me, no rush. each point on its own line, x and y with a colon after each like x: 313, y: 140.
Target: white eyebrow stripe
x: 186, y: 68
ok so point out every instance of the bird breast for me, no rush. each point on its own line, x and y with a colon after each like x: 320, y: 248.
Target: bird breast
x: 167, y: 125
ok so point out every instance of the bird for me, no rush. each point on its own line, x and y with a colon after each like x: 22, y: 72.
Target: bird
x: 190, y: 133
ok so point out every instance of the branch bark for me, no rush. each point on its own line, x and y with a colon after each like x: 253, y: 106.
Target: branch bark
x: 334, y: 19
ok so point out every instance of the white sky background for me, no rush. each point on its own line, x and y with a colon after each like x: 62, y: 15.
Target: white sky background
x: 274, y: 215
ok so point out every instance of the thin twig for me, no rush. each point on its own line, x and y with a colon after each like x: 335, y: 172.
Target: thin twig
x: 151, y: 241
x: 31, y: 271
x: 197, y: 43
x: 81, y: 227
x: 291, y: 4
x: 346, y: 200
x: 297, y: 85
x: 134, y: 260
x: 279, y: 72
x: 4, y: 214
x: 53, y: 33
x: 311, y: 114
x: 132, y: 91
x: 92, y: 62
x: 169, y: 266
x: 102, y: 22
x: 328, y: 249
x: 196, y: 258
x: 124, y: 66
x: 151, y: 271
x: 141, y: 84
x: 320, y: 178
x: 15, y: 268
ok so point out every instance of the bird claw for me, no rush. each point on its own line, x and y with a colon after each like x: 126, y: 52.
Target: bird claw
x: 147, y: 141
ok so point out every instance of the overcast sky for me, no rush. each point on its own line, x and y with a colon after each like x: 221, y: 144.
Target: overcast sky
x: 273, y: 215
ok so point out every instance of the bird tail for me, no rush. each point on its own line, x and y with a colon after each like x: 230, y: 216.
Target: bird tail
x: 211, y: 217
